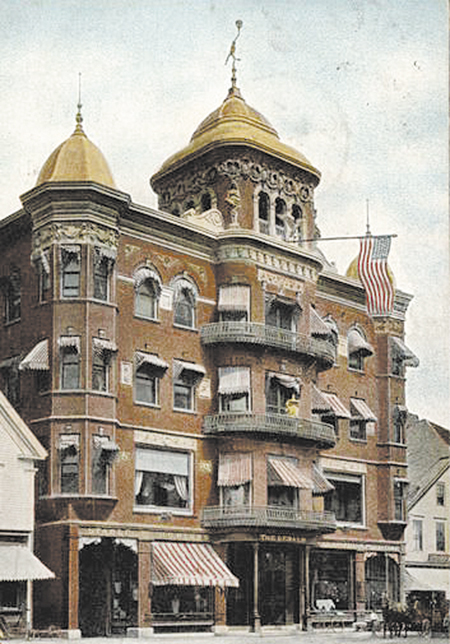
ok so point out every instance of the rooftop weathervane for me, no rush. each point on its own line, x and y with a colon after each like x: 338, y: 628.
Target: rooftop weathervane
x: 232, y: 55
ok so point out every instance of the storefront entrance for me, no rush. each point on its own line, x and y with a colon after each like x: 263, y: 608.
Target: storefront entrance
x: 108, y: 586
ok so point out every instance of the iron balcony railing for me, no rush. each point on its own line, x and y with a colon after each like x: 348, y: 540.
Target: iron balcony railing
x: 267, y: 335
x: 267, y: 516
x: 275, y: 424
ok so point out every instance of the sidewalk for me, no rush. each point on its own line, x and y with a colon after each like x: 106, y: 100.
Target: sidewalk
x: 268, y: 636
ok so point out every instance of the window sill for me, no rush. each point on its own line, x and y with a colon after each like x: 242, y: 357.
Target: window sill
x: 193, y: 412
x: 146, y: 404
x: 165, y: 514
x: 362, y: 372
x: 357, y: 440
x: 343, y: 525
x: 145, y: 319
x: 12, y: 322
x: 186, y: 328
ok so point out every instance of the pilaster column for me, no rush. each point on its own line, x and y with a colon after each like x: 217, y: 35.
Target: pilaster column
x: 145, y: 621
x: 256, y: 615
x: 72, y: 578
x: 360, y: 577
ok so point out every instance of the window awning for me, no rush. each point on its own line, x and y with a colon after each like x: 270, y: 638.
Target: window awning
x: 189, y: 564
x: 69, y: 342
x: 321, y: 485
x: 290, y: 382
x: 319, y: 404
x: 401, y: 351
x: 411, y: 583
x: 37, y: 359
x: 10, y: 363
x: 324, y: 402
x: 188, y: 370
x: 362, y: 409
x: 150, y: 360
x: 357, y: 344
x: 18, y: 563
x: 318, y: 327
x: 234, y: 380
x: 105, y: 253
x: 234, y: 469
x: 235, y: 297
x: 102, y: 346
x: 284, y: 472
x: 146, y: 273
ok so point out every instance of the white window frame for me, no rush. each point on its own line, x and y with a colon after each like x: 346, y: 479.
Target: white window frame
x: 350, y: 477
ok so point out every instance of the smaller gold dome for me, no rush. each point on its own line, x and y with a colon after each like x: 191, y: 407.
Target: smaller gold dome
x: 76, y: 159
x: 352, y: 271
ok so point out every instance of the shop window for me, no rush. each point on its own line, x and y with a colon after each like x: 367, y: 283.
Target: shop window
x: 186, y: 376
x: 71, y: 271
x: 183, y: 603
x: 162, y: 479
x: 184, y: 304
x: 69, y: 461
x: 280, y: 388
x: 358, y: 349
x: 70, y: 368
x: 282, y: 315
x: 331, y: 579
x: 400, y: 488
x: 417, y: 529
x: 234, y: 389
x: 382, y: 581
x: 347, y: 498
x: 440, y: 536
x: 263, y: 213
x: 440, y: 494
x: 12, y: 596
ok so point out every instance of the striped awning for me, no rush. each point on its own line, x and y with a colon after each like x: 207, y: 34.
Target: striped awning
x: 18, y: 563
x: 234, y: 469
x: 189, y: 564
x: 285, y: 472
x: 234, y: 380
x: 235, y: 297
x: 102, y: 346
x: 319, y: 404
x: 69, y: 342
x: 37, y: 359
x: 362, y: 409
x: 357, y: 344
x: 189, y: 370
x: 150, y: 360
x: 338, y: 408
x: 405, y: 354
x: 320, y: 482
x: 318, y: 327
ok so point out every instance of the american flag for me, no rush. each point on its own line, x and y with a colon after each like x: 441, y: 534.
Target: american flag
x: 373, y: 273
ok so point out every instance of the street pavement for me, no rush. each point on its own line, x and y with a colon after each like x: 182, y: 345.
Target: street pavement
x: 268, y: 636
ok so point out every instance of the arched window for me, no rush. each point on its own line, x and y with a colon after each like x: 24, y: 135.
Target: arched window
x: 147, y: 286
x: 263, y: 212
x: 206, y: 202
x: 280, y: 211
x: 297, y: 214
x: 184, y: 304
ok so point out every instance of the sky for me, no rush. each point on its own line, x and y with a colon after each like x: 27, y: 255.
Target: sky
x: 358, y: 86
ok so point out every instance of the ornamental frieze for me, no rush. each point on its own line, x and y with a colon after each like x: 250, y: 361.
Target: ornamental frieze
x: 238, y: 168
x: 237, y: 252
x: 83, y: 233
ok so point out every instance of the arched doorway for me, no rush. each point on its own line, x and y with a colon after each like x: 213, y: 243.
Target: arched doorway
x: 108, y: 584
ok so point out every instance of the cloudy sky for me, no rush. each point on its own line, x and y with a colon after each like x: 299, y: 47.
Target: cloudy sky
x: 359, y: 86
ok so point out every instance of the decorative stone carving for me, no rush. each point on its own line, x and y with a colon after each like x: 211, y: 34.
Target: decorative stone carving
x: 210, y: 219
x: 85, y: 233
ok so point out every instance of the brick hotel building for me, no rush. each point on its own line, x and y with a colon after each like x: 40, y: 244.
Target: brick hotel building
x: 224, y: 420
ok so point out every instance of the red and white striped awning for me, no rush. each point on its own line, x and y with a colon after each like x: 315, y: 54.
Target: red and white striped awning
x: 284, y: 472
x: 318, y: 327
x: 319, y: 404
x: 337, y: 407
x: 362, y: 409
x: 234, y: 469
x: 189, y: 564
x: 321, y: 484
x: 37, y: 359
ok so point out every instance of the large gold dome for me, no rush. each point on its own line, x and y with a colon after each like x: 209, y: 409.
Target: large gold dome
x: 352, y: 271
x: 76, y: 159
x: 236, y: 123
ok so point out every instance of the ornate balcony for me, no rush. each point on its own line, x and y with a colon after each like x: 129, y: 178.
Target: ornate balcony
x: 267, y: 516
x: 275, y: 424
x: 270, y: 336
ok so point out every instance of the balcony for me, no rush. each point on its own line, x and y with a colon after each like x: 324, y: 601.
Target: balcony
x: 267, y: 516
x: 322, y: 349
x: 274, y: 424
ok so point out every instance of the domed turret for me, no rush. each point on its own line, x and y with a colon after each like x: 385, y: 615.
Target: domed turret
x: 352, y: 271
x: 76, y: 159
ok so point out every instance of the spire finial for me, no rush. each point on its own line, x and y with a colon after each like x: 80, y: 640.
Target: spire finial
x: 79, y: 117
x: 232, y: 54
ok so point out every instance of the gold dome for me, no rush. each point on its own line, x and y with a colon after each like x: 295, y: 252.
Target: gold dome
x: 76, y: 159
x: 352, y: 271
x: 236, y: 123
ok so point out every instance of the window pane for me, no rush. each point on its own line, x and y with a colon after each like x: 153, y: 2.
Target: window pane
x: 146, y: 301
x: 69, y: 470
x: 184, y: 311
x: 358, y: 429
x: 182, y: 396
x: 146, y: 387
x: 440, y: 536
x: 101, y: 281
x: 99, y: 375
x: 345, y: 500
x: 282, y: 496
x: 70, y: 374
x: 162, y: 479
x: 236, y: 402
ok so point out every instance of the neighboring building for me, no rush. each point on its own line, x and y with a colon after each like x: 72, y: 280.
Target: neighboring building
x: 19, y: 452
x: 428, y: 532
x: 219, y: 409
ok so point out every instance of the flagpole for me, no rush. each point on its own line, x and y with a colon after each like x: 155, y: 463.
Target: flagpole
x: 345, y: 238
x: 367, y: 219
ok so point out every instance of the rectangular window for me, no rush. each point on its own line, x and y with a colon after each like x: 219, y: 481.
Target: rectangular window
x: 279, y: 389
x: 70, y: 368
x: 417, y: 526
x: 440, y: 494
x: 101, y: 275
x: 440, y: 536
x: 399, y: 501
x: 100, y: 465
x: 281, y: 315
x: 183, y: 396
x: 146, y: 386
x: 71, y: 270
x: 234, y: 303
x: 186, y: 376
x: 234, y: 389
x: 13, y: 298
x: 163, y: 479
x: 69, y: 461
x: 99, y: 372
x: 347, y: 498
x: 358, y: 429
